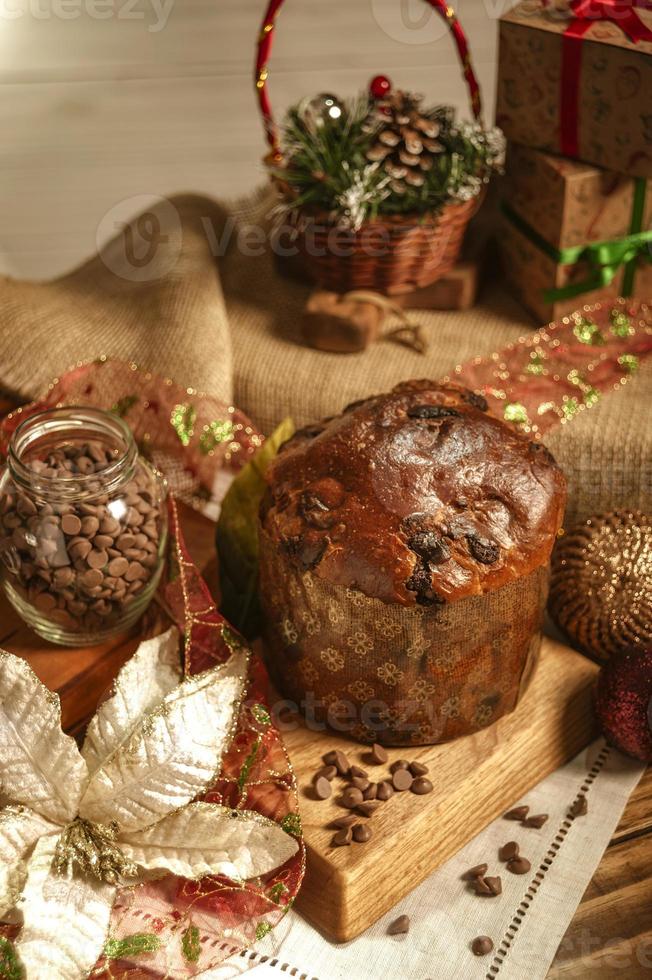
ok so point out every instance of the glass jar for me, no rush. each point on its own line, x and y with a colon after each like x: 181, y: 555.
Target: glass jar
x: 83, y: 525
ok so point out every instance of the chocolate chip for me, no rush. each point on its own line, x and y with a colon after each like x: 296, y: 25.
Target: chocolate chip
x: 90, y: 526
x: 323, y: 788
x: 399, y: 764
x: 45, y: 601
x: 367, y: 809
x: 378, y: 754
x: 307, y: 550
x: 361, y: 783
x: 495, y: 884
x: 431, y: 412
x: 508, y: 851
x: 357, y: 771
x: 473, y: 398
x: 92, y: 578
x: 421, y: 582
x: 371, y: 791
x: 431, y: 547
x: 418, y: 769
x: 421, y: 786
x: 97, y: 559
x: 519, y: 866
x: 482, y: 549
x: 362, y: 833
x: 315, y: 511
x: 399, y: 926
x: 518, y: 813
x: 63, y: 577
x: 135, y: 572
x: 351, y: 798
x: 481, y: 887
x: 402, y: 780
x: 385, y: 790
x: 71, y: 524
x: 580, y: 807
x: 536, y: 820
x: 118, y: 566
x: 478, y: 871
x: 482, y: 945
x: 346, y: 821
x: 341, y: 763
x: 342, y: 838
x: 326, y: 772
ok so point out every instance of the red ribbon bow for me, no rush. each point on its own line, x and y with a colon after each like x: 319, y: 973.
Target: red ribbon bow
x: 623, y: 14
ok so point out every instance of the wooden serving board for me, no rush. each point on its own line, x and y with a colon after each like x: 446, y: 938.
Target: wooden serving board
x: 475, y: 779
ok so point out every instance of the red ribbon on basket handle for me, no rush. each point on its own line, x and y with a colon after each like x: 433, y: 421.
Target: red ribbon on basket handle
x: 585, y: 13
x: 264, y: 50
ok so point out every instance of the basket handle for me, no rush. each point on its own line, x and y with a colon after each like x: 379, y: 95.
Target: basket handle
x: 264, y: 50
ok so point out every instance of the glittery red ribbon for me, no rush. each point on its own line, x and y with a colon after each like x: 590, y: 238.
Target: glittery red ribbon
x: 622, y: 13
x: 545, y: 379
x: 264, y: 50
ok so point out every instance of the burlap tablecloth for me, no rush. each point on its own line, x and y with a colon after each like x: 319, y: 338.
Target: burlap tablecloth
x: 191, y: 293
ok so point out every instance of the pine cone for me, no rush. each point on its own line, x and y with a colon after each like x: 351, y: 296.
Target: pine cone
x: 405, y: 141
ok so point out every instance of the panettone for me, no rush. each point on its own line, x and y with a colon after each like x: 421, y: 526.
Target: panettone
x: 405, y: 547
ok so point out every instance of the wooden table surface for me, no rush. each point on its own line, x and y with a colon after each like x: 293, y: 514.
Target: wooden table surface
x: 611, y: 933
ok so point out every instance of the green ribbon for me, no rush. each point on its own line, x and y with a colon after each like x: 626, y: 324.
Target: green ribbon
x: 605, y: 257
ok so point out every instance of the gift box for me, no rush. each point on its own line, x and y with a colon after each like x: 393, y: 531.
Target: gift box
x: 577, y: 81
x: 572, y: 233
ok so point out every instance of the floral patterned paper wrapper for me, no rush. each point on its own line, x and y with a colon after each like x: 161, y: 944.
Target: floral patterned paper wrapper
x: 614, y: 115
x: 399, y: 675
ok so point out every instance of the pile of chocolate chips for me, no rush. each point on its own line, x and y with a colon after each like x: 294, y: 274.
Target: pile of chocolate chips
x: 82, y: 563
x: 361, y: 795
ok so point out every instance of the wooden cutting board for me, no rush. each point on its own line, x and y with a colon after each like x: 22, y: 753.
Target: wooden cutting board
x: 475, y: 780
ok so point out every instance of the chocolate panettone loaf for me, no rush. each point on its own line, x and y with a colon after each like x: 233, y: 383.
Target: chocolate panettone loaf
x: 404, y: 560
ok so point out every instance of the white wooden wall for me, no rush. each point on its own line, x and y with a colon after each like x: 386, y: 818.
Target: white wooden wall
x: 104, y: 100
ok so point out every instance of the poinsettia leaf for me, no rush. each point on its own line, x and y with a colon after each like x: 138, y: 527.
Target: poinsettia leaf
x: 206, y: 839
x: 144, y: 681
x: 66, y: 920
x: 174, y: 754
x: 237, y: 535
x: 20, y: 828
x: 40, y: 766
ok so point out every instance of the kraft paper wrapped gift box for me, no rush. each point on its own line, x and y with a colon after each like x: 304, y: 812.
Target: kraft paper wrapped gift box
x: 578, y: 81
x: 568, y: 227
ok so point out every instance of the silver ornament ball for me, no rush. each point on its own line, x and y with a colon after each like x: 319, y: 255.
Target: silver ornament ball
x: 320, y: 109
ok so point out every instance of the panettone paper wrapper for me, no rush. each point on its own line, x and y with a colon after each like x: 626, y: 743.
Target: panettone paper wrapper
x: 399, y: 675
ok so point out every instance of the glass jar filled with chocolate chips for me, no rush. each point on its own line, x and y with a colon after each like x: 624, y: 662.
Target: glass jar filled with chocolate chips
x: 83, y: 525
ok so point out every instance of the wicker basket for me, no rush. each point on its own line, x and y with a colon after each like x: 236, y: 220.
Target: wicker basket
x: 392, y: 254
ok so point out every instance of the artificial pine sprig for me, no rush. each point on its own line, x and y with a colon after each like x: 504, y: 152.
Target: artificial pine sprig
x: 327, y: 164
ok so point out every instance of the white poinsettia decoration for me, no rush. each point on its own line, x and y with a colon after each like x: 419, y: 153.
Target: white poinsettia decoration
x: 77, y: 825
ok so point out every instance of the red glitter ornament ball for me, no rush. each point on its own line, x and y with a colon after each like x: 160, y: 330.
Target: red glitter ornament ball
x: 624, y: 703
x: 379, y: 86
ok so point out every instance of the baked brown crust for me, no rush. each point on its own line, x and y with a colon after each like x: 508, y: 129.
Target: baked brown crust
x: 416, y: 496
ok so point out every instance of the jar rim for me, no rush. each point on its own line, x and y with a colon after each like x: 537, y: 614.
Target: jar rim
x: 95, y: 423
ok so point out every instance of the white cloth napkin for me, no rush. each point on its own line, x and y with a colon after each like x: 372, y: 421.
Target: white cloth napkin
x: 526, y: 922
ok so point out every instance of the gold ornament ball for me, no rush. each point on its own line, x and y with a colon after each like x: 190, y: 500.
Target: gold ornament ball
x: 601, y: 583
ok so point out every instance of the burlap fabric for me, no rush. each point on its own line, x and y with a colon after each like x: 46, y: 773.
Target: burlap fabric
x: 204, y: 305
x: 395, y: 674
